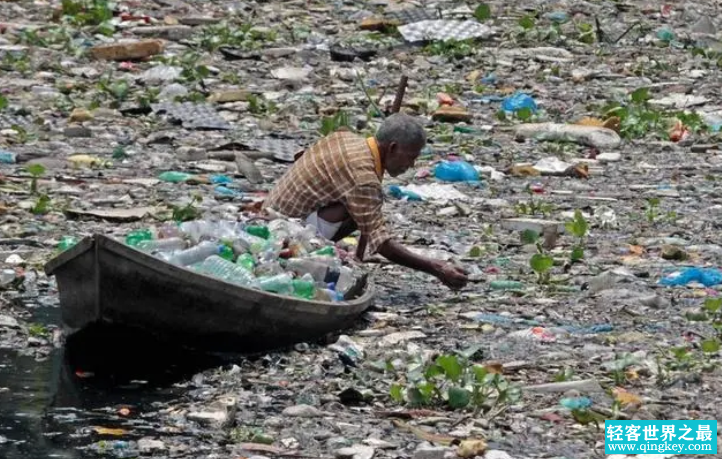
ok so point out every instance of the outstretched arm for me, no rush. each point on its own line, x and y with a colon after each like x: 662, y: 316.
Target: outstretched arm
x: 452, y: 276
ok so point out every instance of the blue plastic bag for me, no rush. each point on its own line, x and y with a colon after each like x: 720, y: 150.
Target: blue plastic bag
x: 456, y: 171
x: 576, y: 403
x: 401, y: 193
x: 705, y: 276
x: 519, y: 101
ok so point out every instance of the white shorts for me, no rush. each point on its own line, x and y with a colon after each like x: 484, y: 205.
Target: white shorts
x: 324, y: 228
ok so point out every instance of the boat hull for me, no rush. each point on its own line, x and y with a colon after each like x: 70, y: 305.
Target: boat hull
x: 103, y: 280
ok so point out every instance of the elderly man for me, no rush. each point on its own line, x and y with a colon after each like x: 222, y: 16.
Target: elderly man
x: 336, y: 186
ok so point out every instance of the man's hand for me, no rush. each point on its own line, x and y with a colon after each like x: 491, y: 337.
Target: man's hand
x: 452, y: 276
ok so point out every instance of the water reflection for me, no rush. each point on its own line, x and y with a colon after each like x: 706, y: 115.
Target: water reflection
x: 48, y: 408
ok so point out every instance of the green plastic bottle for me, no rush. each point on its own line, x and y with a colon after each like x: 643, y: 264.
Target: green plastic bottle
x: 134, y: 237
x: 245, y: 260
x: 174, y: 176
x: 67, y: 242
x: 328, y: 251
x: 304, y: 287
x: 226, y: 253
x: 259, y: 231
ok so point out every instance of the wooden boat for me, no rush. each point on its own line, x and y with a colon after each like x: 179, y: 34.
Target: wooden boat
x: 101, y: 280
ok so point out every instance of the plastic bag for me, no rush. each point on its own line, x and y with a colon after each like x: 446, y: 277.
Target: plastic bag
x: 456, y: 171
x: 402, y: 193
x: 705, y: 276
x: 519, y: 101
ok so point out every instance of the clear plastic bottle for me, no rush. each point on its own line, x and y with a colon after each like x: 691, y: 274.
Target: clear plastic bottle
x: 171, y: 244
x: 195, y: 254
x: 269, y: 268
x: 280, y: 283
x: 301, y: 266
x: 228, y: 271
x: 326, y: 294
x: 245, y: 242
x: 345, y: 280
x: 169, y: 230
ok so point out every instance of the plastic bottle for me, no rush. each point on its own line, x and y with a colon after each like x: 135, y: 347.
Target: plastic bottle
x: 302, y: 266
x: 328, y: 251
x: 280, y: 283
x: 245, y: 242
x: 269, y: 268
x: 246, y: 261
x: 169, y: 230
x: 7, y: 276
x: 135, y: 237
x: 67, y: 242
x: 326, y: 294
x: 171, y: 244
x: 227, y: 253
x: 220, y: 179
x: 195, y: 254
x: 228, y: 271
x: 304, y: 287
x: 345, y: 280
x: 174, y: 176
x: 506, y: 285
x: 456, y: 171
x: 259, y: 231
x: 8, y: 157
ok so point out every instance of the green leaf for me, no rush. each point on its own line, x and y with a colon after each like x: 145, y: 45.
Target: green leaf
x: 451, y: 365
x: 432, y: 371
x: 712, y: 305
x: 529, y: 236
x: 541, y: 263
x: 3, y: 102
x: 41, y: 205
x: 458, y: 397
x: 524, y: 114
x: 476, y: 252
x: 36, y: 170
x: 482, y: 12
x: 397, y: 393
x: 415, y: 397
x: 527, y: 22
x: 480, y: 373
x: 577, y: 253
x: 427, y: 390
x: 472, y: 351
x: 641, y: 95
x: 710, y: 345
x: 577, y: 227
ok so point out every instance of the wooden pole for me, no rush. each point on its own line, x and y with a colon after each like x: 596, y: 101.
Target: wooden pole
x: 400, y: 92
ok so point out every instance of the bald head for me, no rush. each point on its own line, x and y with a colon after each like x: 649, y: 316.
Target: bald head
x: 401, y: 138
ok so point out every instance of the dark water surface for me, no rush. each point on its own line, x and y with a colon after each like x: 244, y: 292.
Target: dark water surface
x: 48, y: 408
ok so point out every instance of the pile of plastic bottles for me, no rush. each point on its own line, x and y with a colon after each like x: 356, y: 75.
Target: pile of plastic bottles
x: 283, y: 257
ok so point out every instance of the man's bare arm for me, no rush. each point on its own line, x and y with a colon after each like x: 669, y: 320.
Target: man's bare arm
x: 397, y: 253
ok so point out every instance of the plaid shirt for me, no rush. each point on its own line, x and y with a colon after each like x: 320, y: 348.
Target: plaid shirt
x: 338, y: 168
